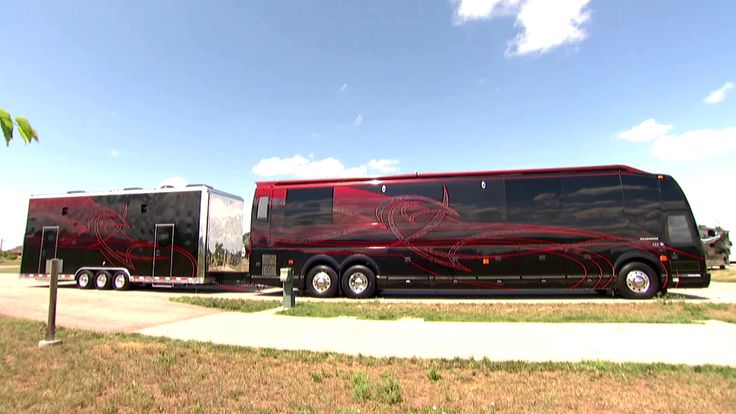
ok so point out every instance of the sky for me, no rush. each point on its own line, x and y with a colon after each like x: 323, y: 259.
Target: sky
x: 227, y: 93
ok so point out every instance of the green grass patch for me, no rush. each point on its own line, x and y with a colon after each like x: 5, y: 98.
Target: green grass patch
x: 94, y: 372
x: 661, y: 311
x: 238, y: 305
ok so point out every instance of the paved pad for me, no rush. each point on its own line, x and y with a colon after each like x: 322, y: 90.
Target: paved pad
x: 103, y: 311
x: 693, y: 344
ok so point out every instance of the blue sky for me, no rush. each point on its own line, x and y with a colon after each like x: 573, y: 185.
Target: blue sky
x: 226, y: 93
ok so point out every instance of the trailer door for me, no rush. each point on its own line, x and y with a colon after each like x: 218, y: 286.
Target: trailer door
x: 49, y: 244
x: 163, y: 250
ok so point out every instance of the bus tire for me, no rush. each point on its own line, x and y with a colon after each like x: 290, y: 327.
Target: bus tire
x: 84, y: 279
x: 120, y: 281
x: 637, y: 280
x: 322, y: 282
x: 103, y: 280
x: 358, y: 282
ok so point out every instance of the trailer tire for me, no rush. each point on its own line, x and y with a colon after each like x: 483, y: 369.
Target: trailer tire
x: 637, y: 280
x: 103, y: 280
x: 358, y: 282
x: 84, y: 279
x: 120, y: 281
x: 322, y: 282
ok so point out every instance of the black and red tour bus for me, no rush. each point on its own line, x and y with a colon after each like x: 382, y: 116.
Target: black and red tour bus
x: 608, y: 228
x: 166, y: 236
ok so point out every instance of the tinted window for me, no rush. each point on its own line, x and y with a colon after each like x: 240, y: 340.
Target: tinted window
x: 262, y: 212
x: 642, y: 205
x: 430, y: 190
x: 306, y: 207
x: 534, y: 200
x: 592, y: 202
x: 478, y: 200
x: 678, y: 229
x: 672, y: 196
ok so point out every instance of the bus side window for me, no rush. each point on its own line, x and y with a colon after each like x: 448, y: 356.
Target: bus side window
x: 309, y: 206
x: 533, y: 200
x: 262, y: 211
x: 678, y: 230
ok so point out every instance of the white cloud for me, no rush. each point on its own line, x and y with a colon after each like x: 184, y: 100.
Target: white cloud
x: 718, y: 95
x: 692, y: 145
x: 358, y: 121
x: 384, y: 165
x: 13, y: 213
x: 646, y: 131
x: 301, y: 167
x: 343, y: 87
x: 544, y: 24
x: 699, y: 144
x: 114, y: 153
x: 176, y: 182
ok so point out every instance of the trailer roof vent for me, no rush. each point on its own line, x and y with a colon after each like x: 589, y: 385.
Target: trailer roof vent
x: 132, y: 188
x: 76, y: 192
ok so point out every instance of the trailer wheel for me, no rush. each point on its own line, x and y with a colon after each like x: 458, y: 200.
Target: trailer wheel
x: 103, y: 280
x: 120, y: 281
x: 358, y: 282
x: 84, y: 279
x: 637, y: 280
x: 322, y: 282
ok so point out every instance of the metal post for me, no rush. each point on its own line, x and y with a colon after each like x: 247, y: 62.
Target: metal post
x: 287, y: 277
x: 51, y: 326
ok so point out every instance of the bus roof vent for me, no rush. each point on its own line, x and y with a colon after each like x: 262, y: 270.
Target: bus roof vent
x: 167, y: 186
x: 76, y: 192
x: 132, y: 188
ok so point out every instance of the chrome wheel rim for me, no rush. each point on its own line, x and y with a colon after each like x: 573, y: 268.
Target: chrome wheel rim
x: 119, y: 281
x: 321, y: 282
x: 101, y: 280
x: 83, y: 280
x: 358, y: 282
x: 637, y: 281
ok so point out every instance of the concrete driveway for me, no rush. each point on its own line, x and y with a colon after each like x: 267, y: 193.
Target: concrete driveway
x: 104, y: 311
x: 150, y: 312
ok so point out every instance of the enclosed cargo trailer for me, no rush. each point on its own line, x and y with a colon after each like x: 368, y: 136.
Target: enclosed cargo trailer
x: 168, y: 236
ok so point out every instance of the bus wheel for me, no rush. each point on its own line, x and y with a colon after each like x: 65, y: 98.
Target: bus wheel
x: 322, y: 282
x: 120, y: 281
x: 637, y: 281
x: 103, y: 280
x: 84, y: 279
x: 358, y: 282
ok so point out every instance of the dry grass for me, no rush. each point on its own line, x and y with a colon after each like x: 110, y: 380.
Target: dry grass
x: 726, y: 275
x: 128, y: 373
x: 10, y: 266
